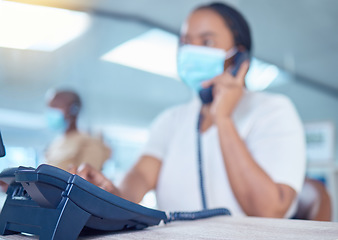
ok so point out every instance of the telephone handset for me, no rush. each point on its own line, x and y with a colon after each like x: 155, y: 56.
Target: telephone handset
x: 239, y: 58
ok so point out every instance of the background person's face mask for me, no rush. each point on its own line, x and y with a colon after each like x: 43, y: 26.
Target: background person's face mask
x: 196, y: 64
x: 56, y: 120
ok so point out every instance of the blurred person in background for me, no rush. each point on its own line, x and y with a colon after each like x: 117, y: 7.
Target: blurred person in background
x: 72, y: 147
x: 248, y: 147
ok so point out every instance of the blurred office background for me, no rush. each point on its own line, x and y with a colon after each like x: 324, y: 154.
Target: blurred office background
x: 120, y: 57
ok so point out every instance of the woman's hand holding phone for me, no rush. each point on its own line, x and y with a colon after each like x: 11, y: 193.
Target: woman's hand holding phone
x: 227, y: 92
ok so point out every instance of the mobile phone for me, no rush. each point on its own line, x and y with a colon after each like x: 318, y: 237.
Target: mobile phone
x: 239, y: 58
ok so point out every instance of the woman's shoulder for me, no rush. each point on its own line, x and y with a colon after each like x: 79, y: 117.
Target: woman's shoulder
x: 257, y: 105
x: 173, y: 118
x: 265, y: 100
x: 182, y: 109
x: 265, y: 97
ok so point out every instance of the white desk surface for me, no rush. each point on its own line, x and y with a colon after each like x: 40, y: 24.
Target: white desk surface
x: 226, y: 227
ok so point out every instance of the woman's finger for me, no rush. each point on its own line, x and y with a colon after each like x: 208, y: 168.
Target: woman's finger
x: 84, y: 171
x: 208, y: 83
x: 240, y: 77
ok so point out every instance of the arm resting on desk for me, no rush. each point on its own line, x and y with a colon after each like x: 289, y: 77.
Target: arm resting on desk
x: 138, y: 181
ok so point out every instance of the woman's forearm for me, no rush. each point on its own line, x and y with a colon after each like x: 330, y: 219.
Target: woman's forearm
x: 140, y: 179
x: 255, y: 191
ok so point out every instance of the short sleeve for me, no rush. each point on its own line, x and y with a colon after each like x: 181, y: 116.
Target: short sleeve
x: 160, y: 134
x: 277, y: 142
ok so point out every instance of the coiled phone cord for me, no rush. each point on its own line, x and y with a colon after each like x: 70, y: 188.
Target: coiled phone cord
x: 205, y: 213
x: 188, y: 216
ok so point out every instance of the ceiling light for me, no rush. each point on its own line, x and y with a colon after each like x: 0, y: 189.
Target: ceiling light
x: 154, y: 51
x: 19, y: 119
x: 24, y: 26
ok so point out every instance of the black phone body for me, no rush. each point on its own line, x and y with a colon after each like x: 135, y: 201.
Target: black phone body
x: 55, y: 204
x: 2, y: 147
x: 239, y: 58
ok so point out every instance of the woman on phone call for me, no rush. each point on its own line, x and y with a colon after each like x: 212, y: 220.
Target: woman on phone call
x: 228, y: 147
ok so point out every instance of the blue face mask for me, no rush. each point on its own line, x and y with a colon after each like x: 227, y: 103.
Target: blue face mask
x: 196, y: 64
x: 56, y: 120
